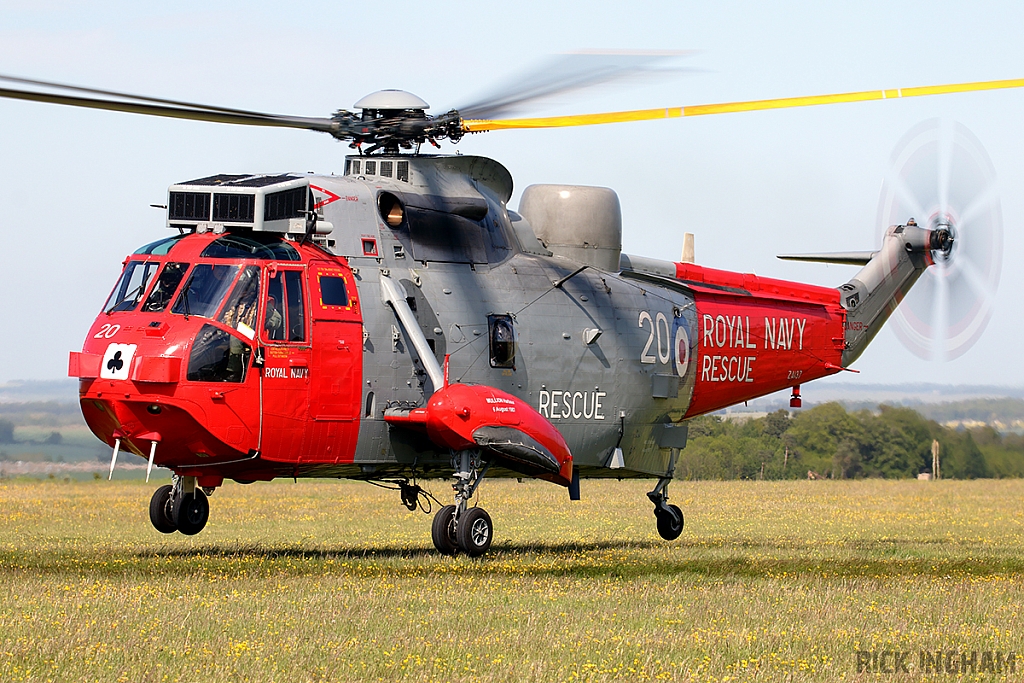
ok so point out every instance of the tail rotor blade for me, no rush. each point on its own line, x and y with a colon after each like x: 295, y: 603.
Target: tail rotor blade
x: 940, y: 314
x: 941, y: 174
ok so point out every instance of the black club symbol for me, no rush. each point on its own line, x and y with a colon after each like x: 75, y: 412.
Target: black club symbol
x: 115, y: 363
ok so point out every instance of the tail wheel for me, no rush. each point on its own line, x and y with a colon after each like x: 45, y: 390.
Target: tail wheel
x: 475, y: 532
x: 160, y: 511
x: 670, y: 522
x: 442, y: 530
x: 191, y: 513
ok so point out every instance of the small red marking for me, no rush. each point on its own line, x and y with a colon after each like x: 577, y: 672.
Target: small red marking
x: 331, y: 197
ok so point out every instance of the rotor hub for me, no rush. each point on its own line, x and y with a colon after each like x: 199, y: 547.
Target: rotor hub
x: 943, y: 236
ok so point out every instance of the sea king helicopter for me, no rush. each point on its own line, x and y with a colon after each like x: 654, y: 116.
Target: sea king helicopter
x: 401, y: 322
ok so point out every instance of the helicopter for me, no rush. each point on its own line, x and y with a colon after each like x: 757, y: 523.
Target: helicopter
x: 400, y: 322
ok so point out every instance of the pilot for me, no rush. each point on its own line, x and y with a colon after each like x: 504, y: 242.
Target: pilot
x: 240, y: 313
x: 165, y: 287
x: 274, y: 323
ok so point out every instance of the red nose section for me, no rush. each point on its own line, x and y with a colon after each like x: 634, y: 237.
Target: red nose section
x: 515, y: 435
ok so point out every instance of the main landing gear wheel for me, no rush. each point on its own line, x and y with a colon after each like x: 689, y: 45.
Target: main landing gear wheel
x: 442, y: 530
x: 670, y: 522
x: 474, y: 532
x: 192, y: 512
x: 160, y: 510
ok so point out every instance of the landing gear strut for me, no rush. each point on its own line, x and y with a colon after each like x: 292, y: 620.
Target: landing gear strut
x: 181, y: 506
x: 456, y: 527
x: 670, y: 517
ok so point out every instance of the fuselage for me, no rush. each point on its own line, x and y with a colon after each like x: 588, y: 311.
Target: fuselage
x: 249, y: 355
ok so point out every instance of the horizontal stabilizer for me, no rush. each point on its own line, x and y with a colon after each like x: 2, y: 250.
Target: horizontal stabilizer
x: 847, y: 258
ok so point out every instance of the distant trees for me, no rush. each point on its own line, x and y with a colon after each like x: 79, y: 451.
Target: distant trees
x: 891, y: 443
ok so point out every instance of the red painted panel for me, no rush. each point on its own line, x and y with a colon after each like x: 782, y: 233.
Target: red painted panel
x: 157, y: 369
x: 336, y: 373
x: 454, y: 416
x: 749, y: 346
x: 84, y: 365
x: 782, y: 289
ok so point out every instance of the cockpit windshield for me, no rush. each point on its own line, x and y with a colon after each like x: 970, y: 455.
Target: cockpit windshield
x: 130, y: 288
x: 166, y: 285
x: 205, y: 290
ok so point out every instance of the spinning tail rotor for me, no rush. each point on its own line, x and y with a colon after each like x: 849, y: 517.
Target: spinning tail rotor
x: 942, y: 176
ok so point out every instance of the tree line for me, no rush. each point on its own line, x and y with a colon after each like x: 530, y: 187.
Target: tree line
x: 829, y: 441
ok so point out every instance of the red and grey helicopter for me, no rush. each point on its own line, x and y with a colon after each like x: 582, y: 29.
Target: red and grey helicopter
x: 401, y: 322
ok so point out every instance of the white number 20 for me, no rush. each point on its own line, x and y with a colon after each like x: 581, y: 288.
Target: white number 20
x: 107, y: 331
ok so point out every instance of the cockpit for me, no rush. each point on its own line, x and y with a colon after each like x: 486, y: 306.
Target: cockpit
x: 249, y: 287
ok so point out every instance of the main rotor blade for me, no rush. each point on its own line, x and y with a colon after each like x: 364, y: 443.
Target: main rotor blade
x: 183, y: 112
x: 123, y: 95
x: 476, y: 125
x: 573, y: 72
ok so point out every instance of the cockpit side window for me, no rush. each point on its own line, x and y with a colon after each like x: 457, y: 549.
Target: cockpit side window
x: 166, y: 285
x: 296, y: 307
x: 132, y: 285
x: 217, y: 356
x: 285, y: 315
x: 273, y: 323
x: 240, y: 311
x: 205, y: 290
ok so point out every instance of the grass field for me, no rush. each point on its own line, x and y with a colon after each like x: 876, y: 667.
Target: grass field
x: 336, y: 581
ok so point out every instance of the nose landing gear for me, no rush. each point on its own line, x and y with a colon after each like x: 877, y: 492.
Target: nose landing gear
x: 181, y: 506
x: 160, y: 512
x: 458, y: 528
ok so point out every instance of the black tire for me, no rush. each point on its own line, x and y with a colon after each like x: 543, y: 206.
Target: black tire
x: 442, y: 530
x: 670, y: 522
x: 474, y: 532
x: 191, y: 513
x: 160, y: 511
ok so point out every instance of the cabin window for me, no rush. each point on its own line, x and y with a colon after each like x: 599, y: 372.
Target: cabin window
x: 218, y: 356
x: 284, y: 318
x: 205, y: 290
x: 240, y: 311
x: 166, y: 285
x: 332, y: 291
x: 503, y: 341
x: 131, y: 286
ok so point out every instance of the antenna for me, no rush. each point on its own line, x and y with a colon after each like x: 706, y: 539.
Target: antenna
x: 687, y: 256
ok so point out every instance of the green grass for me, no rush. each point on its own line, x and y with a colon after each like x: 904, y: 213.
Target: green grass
x: 336, y: 581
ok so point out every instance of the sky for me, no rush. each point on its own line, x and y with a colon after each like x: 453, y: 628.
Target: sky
x: 76, y: 185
